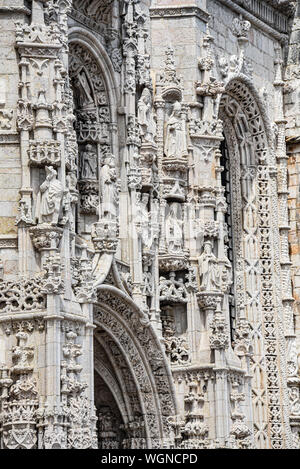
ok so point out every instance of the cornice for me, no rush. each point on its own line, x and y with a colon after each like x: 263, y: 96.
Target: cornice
x: 179, y: 11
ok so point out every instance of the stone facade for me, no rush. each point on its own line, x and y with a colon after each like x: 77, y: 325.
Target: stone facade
x: 149, y: 224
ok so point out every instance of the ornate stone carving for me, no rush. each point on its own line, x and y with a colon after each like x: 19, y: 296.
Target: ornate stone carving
x: 84, y: 285
x: 239, y: 429
x: 170, y: 82
x: 167, y: 227
x: 176, y: 347
x: 22, y: 295
x: 172, y: 263
x: 174, y: 231
x: 20, y: 403
x: 107, y: 429
x: 89, y: 163
x: 45, y: 237
x: 240, y: 28
x: 105, y: 236
x: 6, y: 117
x: 76, y: 407
x: 53, y: 282
x: 211, y: 88
x: 172, y: 290
x: 100, y: 12
x: 144, y: 224
x: 201, y: 128
x: 195, y: 430
x: 89, y: 197
x: 44, y: 152
x: 175, y: 143
x: 24, y: 216
x: 109, y: 191
x: 219, y: 334
x: 209, y: 269
x: 146, y: 118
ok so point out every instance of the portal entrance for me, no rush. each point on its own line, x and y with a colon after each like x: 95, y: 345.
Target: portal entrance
x: 251, y: 219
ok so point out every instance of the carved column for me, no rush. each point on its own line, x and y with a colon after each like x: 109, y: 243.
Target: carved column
x: 284, y: 227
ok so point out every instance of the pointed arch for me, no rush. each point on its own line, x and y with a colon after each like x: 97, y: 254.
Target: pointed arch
x: 256, y: 248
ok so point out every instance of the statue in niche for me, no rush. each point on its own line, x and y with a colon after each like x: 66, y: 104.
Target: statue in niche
x: 89, y: 163
x: 174, y: 232
x: 49, y: 198
x: 175, y: 145
x: 109, y: 192
x: 144, y: 219
x: 129, y: 13
x: 106, y: 420
x: 145, y: 117
x: 71, y: 181
x: 95, y: 8
x: 84, y: 90
x: 209, y: 269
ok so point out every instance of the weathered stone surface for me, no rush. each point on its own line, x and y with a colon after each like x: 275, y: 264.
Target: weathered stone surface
x: 149, y: 224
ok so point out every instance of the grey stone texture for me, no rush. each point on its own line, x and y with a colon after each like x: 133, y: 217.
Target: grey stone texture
x: 149, y: 224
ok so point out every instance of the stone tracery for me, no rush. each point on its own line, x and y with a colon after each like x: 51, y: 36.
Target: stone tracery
x: 126, y: 240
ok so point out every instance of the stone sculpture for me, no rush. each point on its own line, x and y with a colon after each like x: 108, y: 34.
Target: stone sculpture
x: 145, y: 117
x: 175, y: 146
x: 49, y: 198
x: 89, y: 163
x: 109, y: 193
x: 209, y: 270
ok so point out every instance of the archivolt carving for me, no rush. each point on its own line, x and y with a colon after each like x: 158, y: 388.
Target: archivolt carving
x: 127, y: 345
x: 130, y: 328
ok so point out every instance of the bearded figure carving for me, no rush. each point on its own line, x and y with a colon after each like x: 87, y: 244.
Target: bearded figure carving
x: 49, y: 198
x: 174, y: 229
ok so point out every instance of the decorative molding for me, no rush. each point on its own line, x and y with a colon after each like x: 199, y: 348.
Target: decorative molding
x: 178, y: 11
x: 8, y: 241
x: 15, y: 9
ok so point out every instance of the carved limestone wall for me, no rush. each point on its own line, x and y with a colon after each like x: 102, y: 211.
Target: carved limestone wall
x: 148, y: 224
